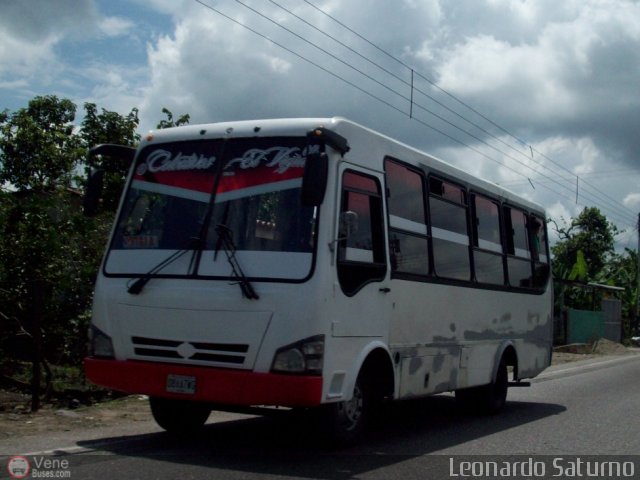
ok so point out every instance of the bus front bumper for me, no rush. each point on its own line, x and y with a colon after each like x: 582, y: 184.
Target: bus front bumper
x: 212, y: 385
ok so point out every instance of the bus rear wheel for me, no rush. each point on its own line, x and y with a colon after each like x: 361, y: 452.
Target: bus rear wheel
x: 179, y: 417
x: 486, y: 399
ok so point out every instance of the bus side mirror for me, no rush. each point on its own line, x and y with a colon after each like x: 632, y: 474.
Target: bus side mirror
x: 95, y: 182
x: 93, y: 193
x: 314, y: 179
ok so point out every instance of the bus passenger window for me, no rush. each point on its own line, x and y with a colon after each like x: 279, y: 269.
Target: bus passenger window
x: 539, y: 250
x: 487, y: 256
x: 519, y: 255
x: 409, y: 246
x: 448, y: 210
x: 538, y: 239
x: 361, y: 256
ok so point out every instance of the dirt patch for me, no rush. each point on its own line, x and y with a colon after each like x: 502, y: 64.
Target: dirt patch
x: 607, y: 347
x: 16, y: 418
x: 582, y: 351
x: 566, y: 357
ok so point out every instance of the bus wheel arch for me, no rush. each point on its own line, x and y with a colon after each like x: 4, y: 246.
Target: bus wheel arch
x: 378, y: 370
x: 510, y: 356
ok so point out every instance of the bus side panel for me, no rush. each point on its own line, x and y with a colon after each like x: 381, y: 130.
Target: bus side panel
x: 449, y: 337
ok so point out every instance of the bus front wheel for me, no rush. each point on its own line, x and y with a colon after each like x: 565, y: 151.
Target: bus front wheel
x: 346, y: 421
x: 179, y: 417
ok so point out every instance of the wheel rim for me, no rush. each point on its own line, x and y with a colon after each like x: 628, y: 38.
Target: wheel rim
x: 353, y: 408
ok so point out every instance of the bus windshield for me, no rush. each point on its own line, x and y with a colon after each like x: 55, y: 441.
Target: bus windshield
x: 182, y: 192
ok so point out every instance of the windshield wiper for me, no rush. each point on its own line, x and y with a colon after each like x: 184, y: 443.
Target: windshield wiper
x: 135, y: 287
x: 225, y: 239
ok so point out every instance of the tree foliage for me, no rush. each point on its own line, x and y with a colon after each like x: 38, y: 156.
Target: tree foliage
x: 590, y: 233
x: 169, y: 122
x: 47, y: 247
x: 585, y: 253
x: 38, y: 147
x: 622, y: 271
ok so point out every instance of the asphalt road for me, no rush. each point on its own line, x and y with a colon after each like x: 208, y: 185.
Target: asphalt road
x: 585, y: 408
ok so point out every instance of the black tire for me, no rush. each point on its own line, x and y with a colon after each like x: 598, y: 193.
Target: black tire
x: 486, y: 399
x: 179, y: 417
x: 347, y: 421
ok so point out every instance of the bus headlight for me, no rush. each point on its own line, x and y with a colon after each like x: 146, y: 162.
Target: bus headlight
x: 303, y: 357
x: 100, y: 344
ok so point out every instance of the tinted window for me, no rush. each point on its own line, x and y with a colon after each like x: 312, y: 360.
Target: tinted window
x: 405, y: 193
x: 488, y: 259
x: 409, y: 253
x: 449, y: 217
x: 539, y: 251
x: 359, y: 245
x: 409, y: 246
x: 488, y: 267
x: 538, y: 239
x: 487, y: 224
x: 519, y: 265
x: 361, y: 255
x: 449, y: 230
x: 519, y: 272
x: 519, y: 242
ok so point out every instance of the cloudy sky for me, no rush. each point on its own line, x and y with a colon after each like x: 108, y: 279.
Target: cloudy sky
x: 541, y: 96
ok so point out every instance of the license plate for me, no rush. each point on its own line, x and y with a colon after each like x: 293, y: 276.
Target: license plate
x: 181, y: 384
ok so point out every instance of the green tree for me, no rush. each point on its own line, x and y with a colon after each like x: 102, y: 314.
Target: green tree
x: 38, y: 148
x: 49, y: 252
x: 38, y: 152
x: 590, y: 233
x: 170, y: 123
x: 584, y: 248
x: 48, y: 249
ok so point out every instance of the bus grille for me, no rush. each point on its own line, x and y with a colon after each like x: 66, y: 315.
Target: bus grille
x: 229, y: 353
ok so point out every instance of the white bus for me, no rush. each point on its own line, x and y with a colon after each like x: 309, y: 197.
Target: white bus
x: 314, y: 263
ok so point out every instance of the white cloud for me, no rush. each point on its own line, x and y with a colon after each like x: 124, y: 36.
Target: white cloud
x: 632, y: 201
x: 528, y: 76
x: 20, y: 59
x: 116, y: 26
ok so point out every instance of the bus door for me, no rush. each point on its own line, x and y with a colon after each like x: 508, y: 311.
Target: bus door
x: 361, y: 258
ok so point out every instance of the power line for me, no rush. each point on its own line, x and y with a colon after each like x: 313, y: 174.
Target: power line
x: 402, y: 96
x: 409, y: 99
x: 425, y: 78
x: 326, y: 70
x: 450, y: 95
x: 377, y: 97
x: 397, y: 77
